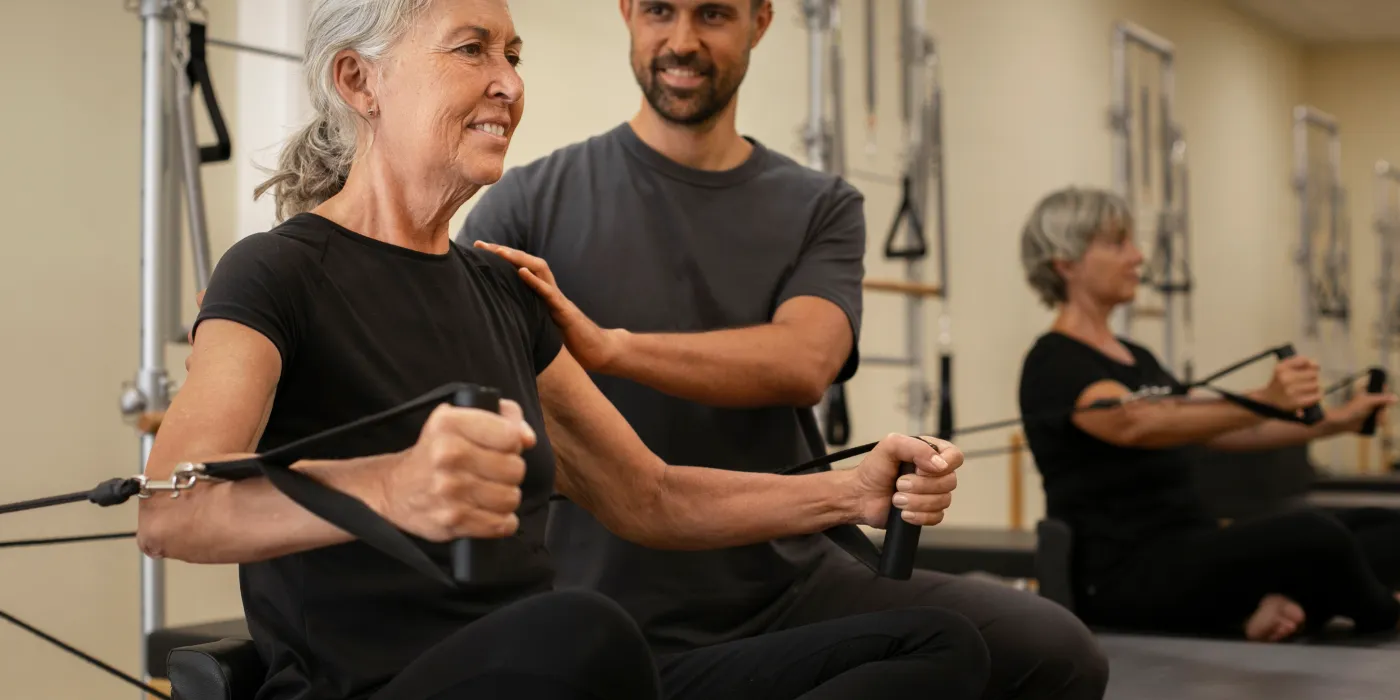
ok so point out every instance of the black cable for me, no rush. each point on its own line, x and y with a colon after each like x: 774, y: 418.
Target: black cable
x: 80, y: 654
x: 44, y: 502
x: 108, y: 493
x: 67, y: 540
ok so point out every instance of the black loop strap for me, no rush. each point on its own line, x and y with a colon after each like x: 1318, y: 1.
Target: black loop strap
x: 918, y: 247
x: 336, y: 507
x: 198, y: 72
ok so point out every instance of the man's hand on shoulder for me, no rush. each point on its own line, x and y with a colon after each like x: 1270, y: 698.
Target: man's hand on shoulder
x: 595, y: 348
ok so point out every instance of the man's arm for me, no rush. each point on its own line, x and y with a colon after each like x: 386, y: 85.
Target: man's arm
x: 604, y: 467
x: 791, y: 360
x: 788, y: 362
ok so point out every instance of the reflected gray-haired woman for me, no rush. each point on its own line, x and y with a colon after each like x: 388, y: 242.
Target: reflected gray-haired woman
x: 1148, y: 555
x: 359, y: 302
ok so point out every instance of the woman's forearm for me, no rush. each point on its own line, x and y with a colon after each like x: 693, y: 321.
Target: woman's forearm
x: 700, y: 508
x: 238, y: 522
x: 1158, y: 424
x: 1175, y: 423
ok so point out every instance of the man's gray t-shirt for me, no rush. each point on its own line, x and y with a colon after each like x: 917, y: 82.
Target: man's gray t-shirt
x: 638, y: 241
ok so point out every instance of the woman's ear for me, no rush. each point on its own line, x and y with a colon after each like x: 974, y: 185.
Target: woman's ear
x: 351, y: 76
x: 1063, y: 267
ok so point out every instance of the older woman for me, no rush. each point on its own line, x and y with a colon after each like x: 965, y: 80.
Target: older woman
x: 1147, y: 556
x: 357, y: 302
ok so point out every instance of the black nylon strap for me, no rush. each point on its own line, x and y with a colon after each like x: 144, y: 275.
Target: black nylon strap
x: 336, y: 507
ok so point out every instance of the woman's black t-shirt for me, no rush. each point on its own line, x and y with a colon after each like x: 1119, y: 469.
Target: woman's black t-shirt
x: 363, y: 326
x: 1115, y: 498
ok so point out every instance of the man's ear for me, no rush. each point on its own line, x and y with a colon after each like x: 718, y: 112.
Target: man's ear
x: 762, y: 20
x: 351, y: 76
x: 625, y: 6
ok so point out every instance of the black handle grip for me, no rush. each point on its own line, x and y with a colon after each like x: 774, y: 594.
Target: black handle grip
x: 487, y: 399
x: 1312, y: 415
x: 901, y: 540
x: 1375, y: 382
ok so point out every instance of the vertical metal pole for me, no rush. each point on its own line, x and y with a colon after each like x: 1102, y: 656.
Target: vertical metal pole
x: 836, y: 131
x: 816, y: 11
x: 193, y: 187
x: 1121, y: 121
x: 915, y: 89
x: 151, y: 380
x: 1387, y: 186
x: 1167, y: 224
x: 173, y: 226
x: 871, y: 77
x: 1300, y: 184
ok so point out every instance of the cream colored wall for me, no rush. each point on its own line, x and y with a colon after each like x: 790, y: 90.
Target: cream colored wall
x: 70, y: 165
x: 1360, y: 86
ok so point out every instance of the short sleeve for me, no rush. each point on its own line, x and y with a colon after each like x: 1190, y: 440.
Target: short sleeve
x: 547, y: 339
x: 501, y: 214
x: 261, y: 283
x: 832, y: 263
x: 1055, y: 372
x: 542, y: 336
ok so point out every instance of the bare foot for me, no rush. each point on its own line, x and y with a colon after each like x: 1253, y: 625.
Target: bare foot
x: 1276, y: 619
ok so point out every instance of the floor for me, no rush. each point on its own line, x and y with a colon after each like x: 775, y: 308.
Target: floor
x: 1171, y: 668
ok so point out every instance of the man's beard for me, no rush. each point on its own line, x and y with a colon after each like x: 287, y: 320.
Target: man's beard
x: 691, y: 106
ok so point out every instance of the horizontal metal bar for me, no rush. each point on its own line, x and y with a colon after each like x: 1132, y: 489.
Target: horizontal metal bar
x: 1145, y: 38
x: 254, y: 49
x: 877, y: 360
x: 1315, y: 116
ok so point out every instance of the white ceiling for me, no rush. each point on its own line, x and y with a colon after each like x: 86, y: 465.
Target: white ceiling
x: 1329, y: 21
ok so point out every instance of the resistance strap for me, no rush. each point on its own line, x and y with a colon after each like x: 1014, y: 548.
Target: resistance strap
x: 198, y: 71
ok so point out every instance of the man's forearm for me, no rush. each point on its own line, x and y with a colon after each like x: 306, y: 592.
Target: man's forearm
x: 764, y: 365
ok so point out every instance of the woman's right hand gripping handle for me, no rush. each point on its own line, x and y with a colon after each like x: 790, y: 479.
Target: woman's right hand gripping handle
x: 462, y: 478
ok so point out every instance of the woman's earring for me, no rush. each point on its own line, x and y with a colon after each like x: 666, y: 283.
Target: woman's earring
x: 373, y: 112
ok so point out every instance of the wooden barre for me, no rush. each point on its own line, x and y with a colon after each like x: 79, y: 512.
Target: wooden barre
x: 1148, y: 312
x: 916, y: 289
x: 149, y: 421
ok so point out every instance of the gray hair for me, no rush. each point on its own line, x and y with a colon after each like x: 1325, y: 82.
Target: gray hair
x: 315, y: 162
x: 1061, y: 227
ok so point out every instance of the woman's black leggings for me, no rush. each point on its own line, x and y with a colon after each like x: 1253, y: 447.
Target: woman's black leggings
x: 576, y: 645
x: 1212, y: 580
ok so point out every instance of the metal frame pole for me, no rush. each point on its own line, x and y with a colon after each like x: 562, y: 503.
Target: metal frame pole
x: 915, y: 88
x: 152, y: 383
x: 1387, y: 226
x: 818, y: 14
x: 1125, y: 35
